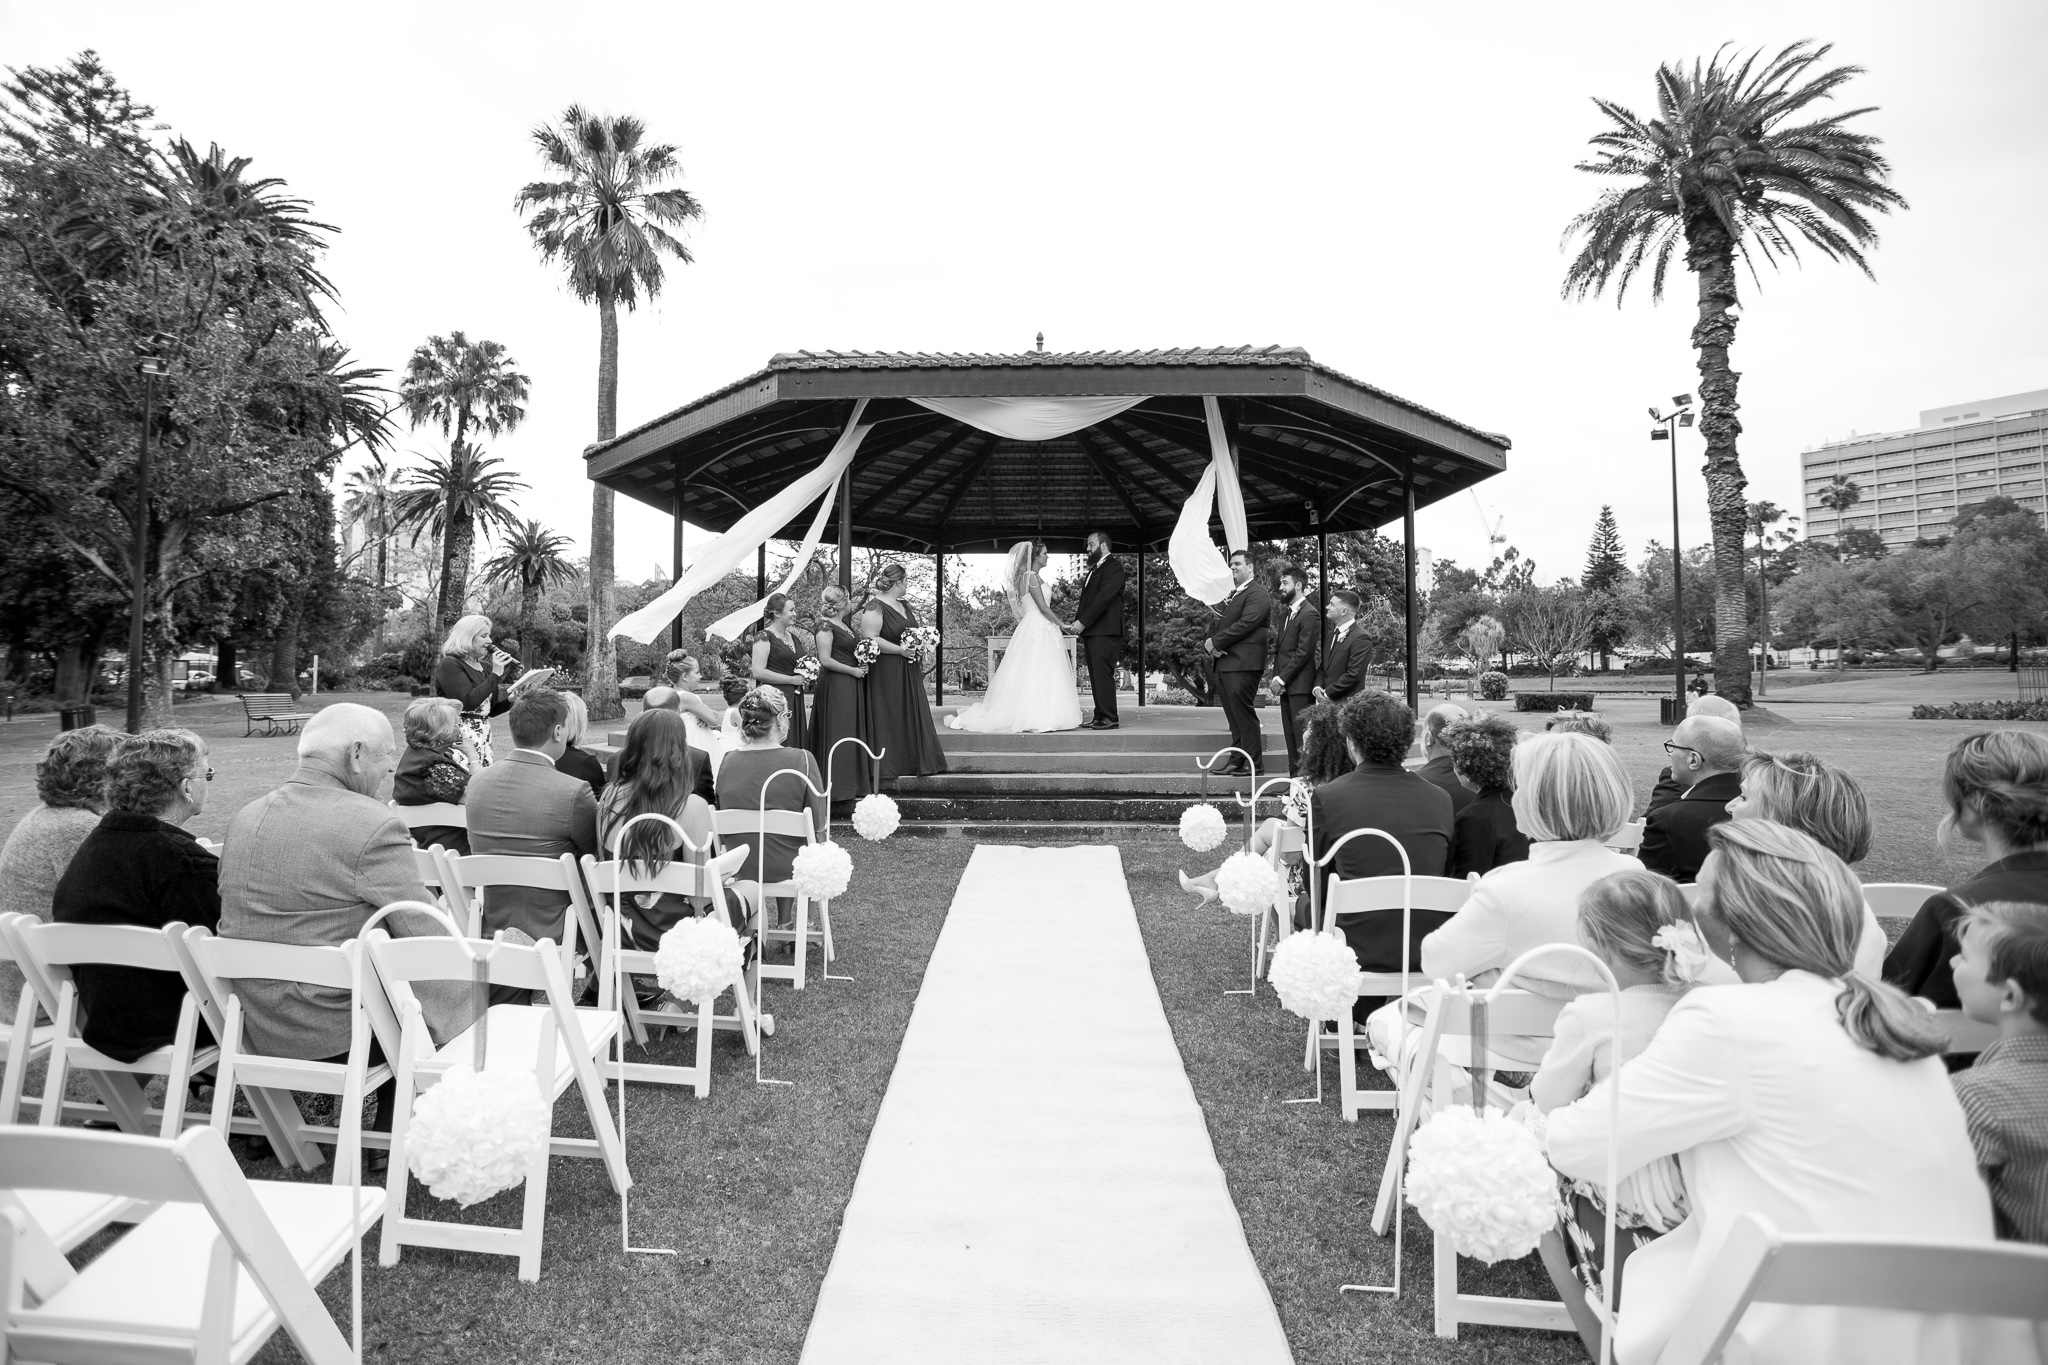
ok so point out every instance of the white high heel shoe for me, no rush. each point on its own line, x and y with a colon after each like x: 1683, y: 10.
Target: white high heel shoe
x: 1207, y: 893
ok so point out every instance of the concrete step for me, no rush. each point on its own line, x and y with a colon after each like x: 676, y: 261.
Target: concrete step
x: 1183, y: 785
x: 1055, y: 761
x: 1130, y: 738
x: 1013, y: 814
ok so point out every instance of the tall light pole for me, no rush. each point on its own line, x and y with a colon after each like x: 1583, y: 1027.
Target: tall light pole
x: 1667, y: 430
x: 152, y: 364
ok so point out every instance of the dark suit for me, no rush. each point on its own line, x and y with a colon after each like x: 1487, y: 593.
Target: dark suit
x: 1484, y: 835
x: 1294, y: 664
x: 1415, y: 812
x: 1665, y: 791
x: 1242, y: 635
x: 520, y: 805
x: 1344, y: 663
x: 1918, y: 963
x: 1675, y: 833
x: 1439, y: 771
x: 1101, y: 618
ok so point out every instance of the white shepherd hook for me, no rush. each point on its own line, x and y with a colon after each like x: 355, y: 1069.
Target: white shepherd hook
x: 826, y: 794
x: 1250, y: 805
x: 832, y: 755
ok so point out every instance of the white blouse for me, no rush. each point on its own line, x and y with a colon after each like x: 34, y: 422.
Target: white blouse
x: 1772, y: 1109
x: 1519, y: 906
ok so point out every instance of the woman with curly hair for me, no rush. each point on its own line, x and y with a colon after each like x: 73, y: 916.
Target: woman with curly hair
x: 435, y: 768
x: 1323, y: 759
x: 71, y: 791
x: 1484, y: 834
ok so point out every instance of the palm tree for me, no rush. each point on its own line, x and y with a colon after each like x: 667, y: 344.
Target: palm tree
x: 371, y: 492
x: 605, y: 218
x: 461, y: 385
x: 531, y: 560
x: 452, y: 499
x: 1725, y: 170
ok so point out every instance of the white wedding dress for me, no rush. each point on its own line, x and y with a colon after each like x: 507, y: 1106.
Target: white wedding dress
x: 1033, y: 689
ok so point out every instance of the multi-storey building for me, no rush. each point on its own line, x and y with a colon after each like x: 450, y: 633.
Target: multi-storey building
x: 1912, y: 482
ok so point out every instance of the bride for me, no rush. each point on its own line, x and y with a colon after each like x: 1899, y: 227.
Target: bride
x: 1033, y: 689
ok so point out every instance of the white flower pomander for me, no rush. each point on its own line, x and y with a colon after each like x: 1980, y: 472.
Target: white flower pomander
x: 822, y: 871
x: 875, y: 816
x: 1247, y: 884
x: 1201, y: 827
x: 698, y: 958
x: 473, y: 1134
x: 1482, y: 1181
x: 1315, y: 975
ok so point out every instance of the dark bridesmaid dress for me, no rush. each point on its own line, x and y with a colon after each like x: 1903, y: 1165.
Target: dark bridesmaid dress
x: 842, y: 710
x: 782, y: 659
x: 896, y: 698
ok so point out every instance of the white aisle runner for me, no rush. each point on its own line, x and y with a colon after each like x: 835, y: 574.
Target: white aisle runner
x: 1039, y: 1185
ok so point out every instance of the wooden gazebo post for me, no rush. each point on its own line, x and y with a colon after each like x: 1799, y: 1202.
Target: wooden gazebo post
x: 1141, y: 623
x: 939, y: 623
x: 1408, y: 576
x: 846, y: 534
x: 675, y: 630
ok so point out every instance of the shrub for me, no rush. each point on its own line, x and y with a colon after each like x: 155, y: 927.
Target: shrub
x: 1171, y: 696
x: 1553, y: 701
x: 1493, y: 686
x: 1984, y: 710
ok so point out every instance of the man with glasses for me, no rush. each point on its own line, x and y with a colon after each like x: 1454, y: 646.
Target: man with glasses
x: 1706, y: 765
x: 1667, y: 788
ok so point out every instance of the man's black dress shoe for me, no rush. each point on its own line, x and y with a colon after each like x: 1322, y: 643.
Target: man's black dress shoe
x: 1107, y: 724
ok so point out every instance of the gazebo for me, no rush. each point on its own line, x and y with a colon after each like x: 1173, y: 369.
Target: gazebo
x: 932, y: 472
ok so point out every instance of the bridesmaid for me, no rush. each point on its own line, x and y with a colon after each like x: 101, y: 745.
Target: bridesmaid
x: 902, y: 717
x: 842, y: 706
x: 775, y: 656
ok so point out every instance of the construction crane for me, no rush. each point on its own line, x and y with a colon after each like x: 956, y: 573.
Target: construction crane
x: 1494, y: 535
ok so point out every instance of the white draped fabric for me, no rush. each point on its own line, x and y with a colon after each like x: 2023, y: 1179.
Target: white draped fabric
x: 1031, y: 419
x: 748, y: 534
x: 1198, y: 566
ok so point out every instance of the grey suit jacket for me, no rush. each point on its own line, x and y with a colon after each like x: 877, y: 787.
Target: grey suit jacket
x: 308, y: 864
x: 523, y: 806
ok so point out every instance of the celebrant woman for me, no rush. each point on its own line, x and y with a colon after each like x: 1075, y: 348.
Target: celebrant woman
x: 775, y: 658
x: 842, y: 709
x: 472, y: 675
x: 902, y: 717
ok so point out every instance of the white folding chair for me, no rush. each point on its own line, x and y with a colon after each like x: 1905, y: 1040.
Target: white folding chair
x: 612, y: 882
x: 48, y: 952
x: 1288, y: 841
x: 1268, y: 914
x: 444, y: 813
x: 208, y: 1277
x: 23, y: 1037
x: 1759, y: 1264
x: 1628, y: 838
x: 561, y: 1041
x: 1898, y: 900
x: 478, y: 872
x: 212, y: 968
x: 752, y: 826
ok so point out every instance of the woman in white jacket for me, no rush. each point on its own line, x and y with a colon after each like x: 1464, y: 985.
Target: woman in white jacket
x: 1808, y: 1093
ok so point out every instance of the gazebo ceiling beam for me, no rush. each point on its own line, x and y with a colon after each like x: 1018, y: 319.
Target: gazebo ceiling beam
x: 1136, y: 450
x: 774, y: 468
x: 1349, y: 491
x: 946, y: 446
x: 965, y: 481
x: 720, y: 486
x: 968, y: 468
x: 1300, y: 487
x: 1107, y: 470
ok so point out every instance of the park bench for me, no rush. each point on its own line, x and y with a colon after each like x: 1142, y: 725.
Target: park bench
x: 271, y: 710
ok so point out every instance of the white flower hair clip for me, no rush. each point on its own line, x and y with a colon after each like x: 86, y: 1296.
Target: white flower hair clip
x: 1689, y: 957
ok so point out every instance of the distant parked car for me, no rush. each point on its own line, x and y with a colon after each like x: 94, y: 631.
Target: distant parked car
x: 635, y: 686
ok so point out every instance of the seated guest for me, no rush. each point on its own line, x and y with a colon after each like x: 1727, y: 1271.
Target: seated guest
x: 655, y: 777
x: 1483, y: 833
x: 523, y: 806
x: 138, y: 867
x: 765, y: 720
x: 1324, y: 758
x: 1380, y: 794
x: 1818, y: 799
x: 1805, y: 1093
x: 1667, y: 787
x: 660, y: 700
x: 2002, y: 976
x: 1996, y: 788
x: 1706, y: 763
x: 310, y: 863
x: 1438, y: 767
x: 71, y: 791
x: 574, y: 761
x: 1584, y: 723
x: 434, y: 770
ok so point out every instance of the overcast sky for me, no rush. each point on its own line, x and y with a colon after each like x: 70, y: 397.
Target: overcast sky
x: 1382, y: 184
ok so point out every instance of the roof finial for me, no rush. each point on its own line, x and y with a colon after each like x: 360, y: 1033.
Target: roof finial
x: 1041, y: 341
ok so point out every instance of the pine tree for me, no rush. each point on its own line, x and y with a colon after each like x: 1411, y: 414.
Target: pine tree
x: 1605, y: 564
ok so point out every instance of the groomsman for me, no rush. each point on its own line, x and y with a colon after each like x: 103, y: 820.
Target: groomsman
x: 1099, y: 621
x: 1294, y: 666
x: 1238, y: 647
x: 1344, y: 651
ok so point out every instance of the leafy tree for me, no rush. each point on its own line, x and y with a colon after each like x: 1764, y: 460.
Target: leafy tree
x: 452, y: 499
x: 1605, y: 580
x: 606, y: 218
x: 1833, y: 602
x: 1762, y: 517
x: 1725, y: 169
x: 1931, y: 593
x: 1480, y: 640
x: 1653, y: 574
x: 460, y: 386
x: 530, y: 560
x: 2006, y: 549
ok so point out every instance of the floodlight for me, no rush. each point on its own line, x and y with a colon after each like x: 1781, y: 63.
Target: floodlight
x: 1656, y: 416
x: 1659, y: 434
x: 1685, y: 419
x: 1683, y: 400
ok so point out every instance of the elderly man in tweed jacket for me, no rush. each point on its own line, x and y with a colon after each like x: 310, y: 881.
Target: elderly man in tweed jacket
x: 309, y: 863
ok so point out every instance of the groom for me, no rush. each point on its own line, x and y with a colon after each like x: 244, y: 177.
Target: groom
x: 1099, y: 621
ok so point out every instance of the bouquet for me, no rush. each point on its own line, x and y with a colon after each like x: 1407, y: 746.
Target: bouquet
x: 866, y: 651
x: 920, y: 644
x: 807, y: 669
